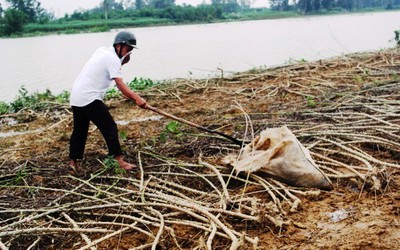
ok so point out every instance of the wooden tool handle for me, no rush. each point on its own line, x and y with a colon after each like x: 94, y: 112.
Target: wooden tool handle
x: 236, y: 141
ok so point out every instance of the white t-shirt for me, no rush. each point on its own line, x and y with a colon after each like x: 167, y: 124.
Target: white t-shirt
x: 96, y: 77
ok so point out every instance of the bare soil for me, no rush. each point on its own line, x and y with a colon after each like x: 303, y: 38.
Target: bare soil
x: 357, y: 95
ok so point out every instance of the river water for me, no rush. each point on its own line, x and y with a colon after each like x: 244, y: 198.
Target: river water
x: 194, y: 51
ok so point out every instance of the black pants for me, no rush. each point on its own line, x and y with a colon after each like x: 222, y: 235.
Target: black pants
x: 98, y: 113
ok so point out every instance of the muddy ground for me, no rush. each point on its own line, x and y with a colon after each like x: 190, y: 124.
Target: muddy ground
x: 355, y: 215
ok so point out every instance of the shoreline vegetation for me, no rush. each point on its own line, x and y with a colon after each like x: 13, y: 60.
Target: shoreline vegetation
x: 344, y: 110
x: 61, y: 26
x: 27, y: 18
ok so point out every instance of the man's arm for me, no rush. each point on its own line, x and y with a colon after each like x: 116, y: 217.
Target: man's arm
x: 126, y: 91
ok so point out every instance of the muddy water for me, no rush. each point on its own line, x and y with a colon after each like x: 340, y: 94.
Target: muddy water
x: 193, y: 50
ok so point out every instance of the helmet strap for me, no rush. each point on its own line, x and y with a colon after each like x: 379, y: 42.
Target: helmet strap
x: 119, y: 52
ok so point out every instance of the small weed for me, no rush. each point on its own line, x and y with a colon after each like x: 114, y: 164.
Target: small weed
x: 111, y: 163
x: 358, y: 79
x: 311, y: 102
x: 112, y: 93
x: 16, y: 180
x: 119, y: 171
x: 123, y: 135
x: 377, y: 82
x: 172, y: 129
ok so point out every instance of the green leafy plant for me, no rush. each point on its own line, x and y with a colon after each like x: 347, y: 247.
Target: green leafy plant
x: 4, y: 108
x: 111, y: 163
x: 112, y: 93
x: 171, y: 129
x: 135, y: 84
x: 141, y: 83
x: 23, y: 100
x: 35, y: 101
x: 63, y: 97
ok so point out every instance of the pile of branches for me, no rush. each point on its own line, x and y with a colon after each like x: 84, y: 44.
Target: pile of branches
x: 358, y: 136
x: 157, y: 208
x: 351, y: 129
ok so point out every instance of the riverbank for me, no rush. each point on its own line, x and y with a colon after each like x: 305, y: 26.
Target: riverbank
x: 345, y: 110
x: 100, y: 25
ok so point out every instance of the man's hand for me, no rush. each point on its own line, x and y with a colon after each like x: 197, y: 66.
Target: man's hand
x: 144, y: 105
x: 141, y: 103
x: 127, y: 92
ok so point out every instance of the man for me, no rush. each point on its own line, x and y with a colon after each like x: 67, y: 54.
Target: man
x: 88, y: 92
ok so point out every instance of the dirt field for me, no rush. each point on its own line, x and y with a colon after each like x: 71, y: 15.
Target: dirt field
x: 345, y: 110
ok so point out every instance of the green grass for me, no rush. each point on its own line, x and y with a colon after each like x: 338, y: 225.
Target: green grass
x: 99, y: 25
x: 258, y: 14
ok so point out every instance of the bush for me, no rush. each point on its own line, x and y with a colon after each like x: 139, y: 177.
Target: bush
x: 141, y: 83
x: 35, y: 101
x: 397, y: 37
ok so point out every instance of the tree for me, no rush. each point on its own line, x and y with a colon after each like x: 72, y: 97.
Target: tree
x: 161, y: 4
x: 346, y: 4
x: 106, y: 4
x: 32, y: 10
x: 140, y: 4
x: 1, y: 21
x: 28, y: 7
x: 244, y: 4
x: 14, y: 21
x: 326, y: 4
x: 305, y: 6
x: 128, y: 4
x: 316, y: 5
x: 281, y: 5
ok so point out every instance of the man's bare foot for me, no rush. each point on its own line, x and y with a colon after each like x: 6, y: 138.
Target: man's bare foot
x: 123, y: 164
x: 74, y: 165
